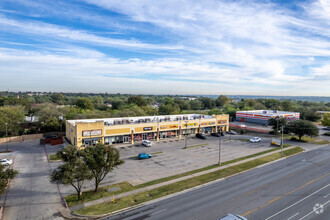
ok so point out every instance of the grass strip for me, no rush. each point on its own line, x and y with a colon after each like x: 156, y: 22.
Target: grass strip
x: 198, y: 145
x: 53, y: 157
x: 138, y: 198
x: 247, y: 140
x: 319, y: 141
x: 125, y: 186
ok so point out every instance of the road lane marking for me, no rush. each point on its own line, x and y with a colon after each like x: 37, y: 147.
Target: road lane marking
x: 298, y: 202
x: 322, y: 205
x: 279, y: 197
x: 326, y: 196
x: 293, y: 215
x: 158, y: 212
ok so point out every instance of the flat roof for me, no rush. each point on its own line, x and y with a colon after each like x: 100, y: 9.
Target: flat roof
x: 141, y: 119
x: 268, y: 112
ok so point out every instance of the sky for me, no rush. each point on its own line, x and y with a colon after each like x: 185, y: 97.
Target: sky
x: 188, y: 47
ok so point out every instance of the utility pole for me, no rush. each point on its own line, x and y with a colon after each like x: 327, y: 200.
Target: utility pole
x: 282, y: 142
x: 220, y: 147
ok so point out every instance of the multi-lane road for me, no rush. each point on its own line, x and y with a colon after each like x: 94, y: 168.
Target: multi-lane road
x: 294, y: 188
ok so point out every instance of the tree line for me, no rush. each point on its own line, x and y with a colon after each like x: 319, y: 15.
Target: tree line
x: 48, y: 107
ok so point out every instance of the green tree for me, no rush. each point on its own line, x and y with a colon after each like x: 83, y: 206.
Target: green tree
x: 73, y: 173
x: 303, y: 127
x: 222, y: 100
x: 58, y: 98
x: 214, y: 111
x: 5, y: 175
x: 326, y: 119
x: 84, y: 103
x: 168, y: 109
x: 195, y: 104
x: 138, y: 100
x: 13, y: 116
x: 48, y: 117
x: 277, y: 124
x: 101, y: 160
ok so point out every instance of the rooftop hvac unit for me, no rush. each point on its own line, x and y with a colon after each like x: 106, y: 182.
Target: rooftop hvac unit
x: 265, y: 112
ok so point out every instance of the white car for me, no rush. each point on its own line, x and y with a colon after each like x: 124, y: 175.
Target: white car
x: 146, y: 143
x: 6, y: 162
x: 255, y: 139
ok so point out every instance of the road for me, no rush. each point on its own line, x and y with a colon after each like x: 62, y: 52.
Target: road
x: 294, y: 188
x: 31, y: 195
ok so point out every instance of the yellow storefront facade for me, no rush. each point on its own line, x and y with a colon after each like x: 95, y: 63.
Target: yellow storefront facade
x: 135, y: 129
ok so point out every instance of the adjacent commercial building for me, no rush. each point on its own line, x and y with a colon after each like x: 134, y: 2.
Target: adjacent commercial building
x: 135, y: 129
x: 262, y: 116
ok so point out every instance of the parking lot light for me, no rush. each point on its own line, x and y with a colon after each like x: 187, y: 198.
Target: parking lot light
x: 185, y: 142
x: 220, y: 147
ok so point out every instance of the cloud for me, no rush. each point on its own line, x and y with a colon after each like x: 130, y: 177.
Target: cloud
x: 73, y: 35
x: 238, y: 46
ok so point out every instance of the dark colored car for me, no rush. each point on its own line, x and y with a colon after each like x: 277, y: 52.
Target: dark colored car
x: 218, y: 134
x: 231, y: 132
x: 201, y: 136
x: 144, y: 156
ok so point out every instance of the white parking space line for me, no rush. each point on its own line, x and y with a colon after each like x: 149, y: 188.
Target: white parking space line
x: 297, y: 202
x: 293, y: 216
x: 158, y: 212
x: 326, y: 196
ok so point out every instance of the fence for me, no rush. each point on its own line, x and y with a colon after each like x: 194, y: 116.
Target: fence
x: 28, y: 137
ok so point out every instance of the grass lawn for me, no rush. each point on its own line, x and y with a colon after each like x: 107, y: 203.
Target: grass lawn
x: 53, y: 157
x: 125, y: 186
x: 303, y: 138
x: 139, y: 198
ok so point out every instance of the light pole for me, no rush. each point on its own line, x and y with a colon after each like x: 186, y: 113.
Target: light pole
x: 282, y: 142
x: 220, y: 147
x: 60, y: 118
x: 6, y: 124
x: 185, y: 142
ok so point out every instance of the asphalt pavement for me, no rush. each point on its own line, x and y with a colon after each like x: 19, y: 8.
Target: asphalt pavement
x: 294, y: 188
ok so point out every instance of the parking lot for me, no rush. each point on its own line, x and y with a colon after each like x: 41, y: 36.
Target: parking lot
x: 171, y: 158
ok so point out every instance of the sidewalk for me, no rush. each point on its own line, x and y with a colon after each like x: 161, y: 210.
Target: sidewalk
x: 107, y: 199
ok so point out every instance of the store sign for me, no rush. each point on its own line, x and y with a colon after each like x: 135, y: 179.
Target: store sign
x: 190, y: 124
x: 147, y: 129
x: 208, y: 123
x: 92, y: 133
x: 169, y: 127
x: 222, y: 122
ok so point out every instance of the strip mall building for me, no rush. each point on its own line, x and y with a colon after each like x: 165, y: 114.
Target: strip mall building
x: 262, y: 116
x: 135, y: 129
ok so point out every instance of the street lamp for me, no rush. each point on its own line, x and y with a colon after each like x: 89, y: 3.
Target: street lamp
x: 282, y: 142
x: 60, y: 118
x: 185, y: 142
x: 6, y: 124
x: 220, y: 147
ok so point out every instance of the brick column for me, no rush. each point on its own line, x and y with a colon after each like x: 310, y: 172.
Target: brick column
x: 157, y: 134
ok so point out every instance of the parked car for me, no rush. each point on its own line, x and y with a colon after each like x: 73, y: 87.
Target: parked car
x: 231, y: 132
x: 327, y: 128
x: 218, y: 134
x: 6, y: 162
x: 146, y: 143
x: 242, y: 126
x: 201, y: 136
x: 255, y: 139
x: 232, y: 217
x: 144, y: 156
